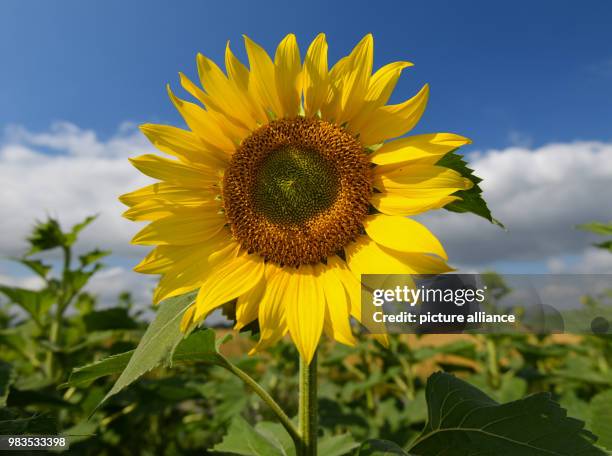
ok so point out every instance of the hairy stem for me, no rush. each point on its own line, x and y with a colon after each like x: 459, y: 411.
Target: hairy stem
x: 265, y: 396
x: 308, y: 407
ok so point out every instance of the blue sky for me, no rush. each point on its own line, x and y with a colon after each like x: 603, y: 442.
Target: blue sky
x: 529, y: 82
x: 527, y: 72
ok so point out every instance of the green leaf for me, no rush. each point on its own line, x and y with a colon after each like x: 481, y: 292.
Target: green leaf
x: 93, y: 256
x: 72, y: 236
x: 200, y: 346
x: 37, y: 424
x: 276, y: 433
x: 46, y: 236
x: 78, y: 278
x: 462, y: 417
x: 471, y: 200
x: 108, y: 366
x: 336, y: 445
x: 158, y: 342
x: 36, y: 303
x: 244, y: 439
x: 7, y: 377
x: 604, y: 229
x: 601, y: 418
x: 380, y: 448
x: 109, y: 319
x: 607, y: 245
x: 37, y: 266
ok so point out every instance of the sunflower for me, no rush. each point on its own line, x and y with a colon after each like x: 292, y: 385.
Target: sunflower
x: 291, y: 181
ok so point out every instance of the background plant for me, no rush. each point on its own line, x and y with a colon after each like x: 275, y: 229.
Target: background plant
x: 62, y: 353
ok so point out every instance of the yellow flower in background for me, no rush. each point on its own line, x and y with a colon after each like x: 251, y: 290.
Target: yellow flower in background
x: 287, y: 187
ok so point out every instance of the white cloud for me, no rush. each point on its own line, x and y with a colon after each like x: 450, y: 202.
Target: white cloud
x: 68, y: 173
x: 108, y: 283
x: 590, y: 261
x: 30, y: 282
x: 540, y: 195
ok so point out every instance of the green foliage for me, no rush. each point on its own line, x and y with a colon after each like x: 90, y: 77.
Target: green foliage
x: 120, y: 384
x: 380, y: 448
x: 244, y: 439
x: 464, y: 418
x: 604, y: 229
x: 471, y: 200
x: 157, y: 344
x: 7, y: 377
x: 84, y: 375
x: 601, y: 418
x: 271, y: 439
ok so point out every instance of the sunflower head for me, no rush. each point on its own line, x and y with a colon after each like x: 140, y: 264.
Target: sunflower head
x: 291, y: 181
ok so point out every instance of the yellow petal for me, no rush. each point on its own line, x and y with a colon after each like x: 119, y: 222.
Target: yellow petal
x: 331, y: 107
x: 229, y: 125
x: 161, y: 258
x: 187, y: 318
x: 365, y: 256
x: 175, y: 172
x: 380, y: 88
x: 383, y: 82
x: 287, y: 69
x: 420, y: 180
x: 202, y: 124
x: 238, y: 75
x: 236, y: 71
x: 189, y: 269
x: 356, y: 79
x: 424, y: 149
x: 227, y: 281
x: 393, y: 203
x: 337, y: 308
x: 185, y: 226
x: 195, y: 91
x: 227, y: 97
x: 305, y: 310
x: 402, y: 234
x: 184, y: 145
x: 315, y: 78
x: 247, y: 306
x: 392, y: 121
x: 169, y: 193
x: 261, y: 78
x: 149, y: 210
x: 271, y: 315
x: 351, y: 282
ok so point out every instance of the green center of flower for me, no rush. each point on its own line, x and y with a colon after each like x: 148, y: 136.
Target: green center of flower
x: 293, y: 185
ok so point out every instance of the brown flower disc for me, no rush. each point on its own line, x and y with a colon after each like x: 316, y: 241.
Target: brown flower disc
x: 297, y: 190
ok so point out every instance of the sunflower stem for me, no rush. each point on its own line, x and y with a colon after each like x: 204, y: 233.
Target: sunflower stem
x: 308, y: 414
x: 265, y: 396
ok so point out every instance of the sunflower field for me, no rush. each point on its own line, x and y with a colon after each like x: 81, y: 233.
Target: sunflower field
x: 116, y: 383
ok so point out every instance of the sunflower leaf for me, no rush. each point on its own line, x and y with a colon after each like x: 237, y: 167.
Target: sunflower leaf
x: 7, y: 377
x: 380, y: 448
x: 199, y: 346
x: 108, y: 366
x: 601, y: 417
x: 244, y: 439
x: 605, y: 229
x: 159, y: 341
x: 471, y: 200
x: 462, y: 417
